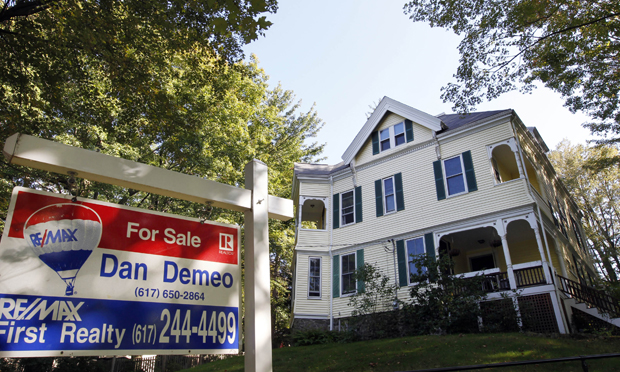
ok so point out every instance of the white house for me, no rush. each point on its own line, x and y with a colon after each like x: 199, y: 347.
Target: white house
x: 477, y: 187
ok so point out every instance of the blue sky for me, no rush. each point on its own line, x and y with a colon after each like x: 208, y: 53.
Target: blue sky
x: 344, y: 55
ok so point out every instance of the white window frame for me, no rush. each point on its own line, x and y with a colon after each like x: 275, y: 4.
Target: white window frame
x: 445, y: 176
x: 383, y: 188
x: 340, y: 214
x: 342, y: 273
x: 392, y: 136
x: 408, y: 257
x: 310, y: 296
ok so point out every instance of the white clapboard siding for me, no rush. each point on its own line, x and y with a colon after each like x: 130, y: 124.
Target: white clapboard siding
x: 378, y: 256
x: 312, y: 240
x: 422, y: 209
x: 307, y: 188
x: 303, y: 305
x: 420, y: 134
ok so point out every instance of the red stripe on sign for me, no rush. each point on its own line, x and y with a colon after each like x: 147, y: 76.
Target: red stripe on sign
x: 143, y: 231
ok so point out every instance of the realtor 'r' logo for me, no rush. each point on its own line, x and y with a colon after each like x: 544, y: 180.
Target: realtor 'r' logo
x: 226, y: 242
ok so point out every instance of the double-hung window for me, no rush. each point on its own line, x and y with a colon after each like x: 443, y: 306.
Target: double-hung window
x: 384, y: 137
x: 314, y: 278
x: 347, y: 207
x: 389, y: 196
x: 415, y: 249
x: 455, y: 175
x: 455, y: 178
x: 348, y: 273
x: 395, y: 135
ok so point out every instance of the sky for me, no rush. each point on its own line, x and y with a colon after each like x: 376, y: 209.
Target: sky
x: 344, y: 56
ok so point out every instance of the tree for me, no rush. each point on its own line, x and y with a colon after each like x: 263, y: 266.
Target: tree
x: 442, y: 303
x: 195, y: 132
x: 108, y: 62
x: 572, y: 47
x: 597, y: 193
x: 374, y: 304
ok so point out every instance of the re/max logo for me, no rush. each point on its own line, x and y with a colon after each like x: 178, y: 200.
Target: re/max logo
x: 60, y: 236
x: 20, y: 309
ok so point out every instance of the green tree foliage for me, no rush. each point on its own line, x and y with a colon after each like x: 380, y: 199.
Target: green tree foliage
x: 596, y: 191
x: 442, y: 303
x: 572, y: 47
x: 373, y: 315
x: 155, y: 82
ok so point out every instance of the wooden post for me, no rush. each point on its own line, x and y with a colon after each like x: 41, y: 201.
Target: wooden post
x: 257, y: 282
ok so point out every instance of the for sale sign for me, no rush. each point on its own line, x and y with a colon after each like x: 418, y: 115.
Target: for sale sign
x: 91, y: 278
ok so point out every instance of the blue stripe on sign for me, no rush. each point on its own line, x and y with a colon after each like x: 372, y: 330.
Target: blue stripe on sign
x: 41, y: 323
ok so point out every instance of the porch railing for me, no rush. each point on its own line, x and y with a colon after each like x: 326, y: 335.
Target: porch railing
x: 530, y: 276
x: 496, y: 282
x: 590, y: 296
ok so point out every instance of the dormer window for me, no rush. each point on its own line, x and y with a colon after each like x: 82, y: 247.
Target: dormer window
x: 388, y: 138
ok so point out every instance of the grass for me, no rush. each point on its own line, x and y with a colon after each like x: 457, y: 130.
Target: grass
x: 403, y: 354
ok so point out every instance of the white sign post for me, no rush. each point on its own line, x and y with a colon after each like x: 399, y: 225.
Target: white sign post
x: 254, y: 201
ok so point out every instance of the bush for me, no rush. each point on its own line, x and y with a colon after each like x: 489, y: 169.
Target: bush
x: 319, y: 337
x: 373, y: 315
x: 442, y: 303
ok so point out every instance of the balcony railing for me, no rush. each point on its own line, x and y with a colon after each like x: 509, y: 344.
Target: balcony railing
x: 530, y: 276
x: 526, y: 275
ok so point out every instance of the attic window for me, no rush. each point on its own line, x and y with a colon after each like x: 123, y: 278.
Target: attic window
x: 396, y: 135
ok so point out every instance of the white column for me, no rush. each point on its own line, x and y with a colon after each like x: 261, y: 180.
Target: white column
x: 542, y: 252
x: 511, y: 274
x: 519, y: 163
x: 257, y: 301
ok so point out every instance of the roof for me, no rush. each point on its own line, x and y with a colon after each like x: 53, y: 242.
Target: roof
x: 454, y: 121
x: 389, y: 105
x: 440, y: 124
x: 306, y: 169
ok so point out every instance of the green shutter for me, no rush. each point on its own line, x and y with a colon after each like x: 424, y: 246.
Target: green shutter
x: 375, y: 143
x: 430, y: 245
x: 441, y: 190
x: 358, y: 204
x: 336, y: 276
x: 402, y: 263
x: 430, y: 252
x: 379, y: 198
x: 469, y: 171
x: 400, y: 198
x: 408, y: 130
x: 336, y: 207
x: 359, y: 265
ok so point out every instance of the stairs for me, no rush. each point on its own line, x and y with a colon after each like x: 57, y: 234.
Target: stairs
x: 589, y: 300
x: 592, y: 311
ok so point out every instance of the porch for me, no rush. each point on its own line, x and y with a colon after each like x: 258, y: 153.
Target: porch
x: 510, y: 254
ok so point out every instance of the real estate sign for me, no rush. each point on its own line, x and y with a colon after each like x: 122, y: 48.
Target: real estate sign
x: 86, y: 277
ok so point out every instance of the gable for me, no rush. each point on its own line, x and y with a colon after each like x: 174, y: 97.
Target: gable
x: 420, y: 134
x: 388, y: 105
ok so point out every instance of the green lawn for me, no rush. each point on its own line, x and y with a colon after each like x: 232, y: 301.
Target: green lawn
x: 412, y: 353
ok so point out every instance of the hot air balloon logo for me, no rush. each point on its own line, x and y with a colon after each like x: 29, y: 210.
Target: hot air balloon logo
x: 63, y: 236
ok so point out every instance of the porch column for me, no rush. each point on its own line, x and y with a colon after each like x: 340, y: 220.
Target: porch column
x: 534, y: 226
x: 519, y: 162
x: 511, y: 274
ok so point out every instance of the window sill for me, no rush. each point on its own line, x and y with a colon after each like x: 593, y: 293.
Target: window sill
x: 509, y: 181
x: 315, y: 298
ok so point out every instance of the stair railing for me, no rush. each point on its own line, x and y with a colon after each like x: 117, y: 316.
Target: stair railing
x: 590, y: 296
